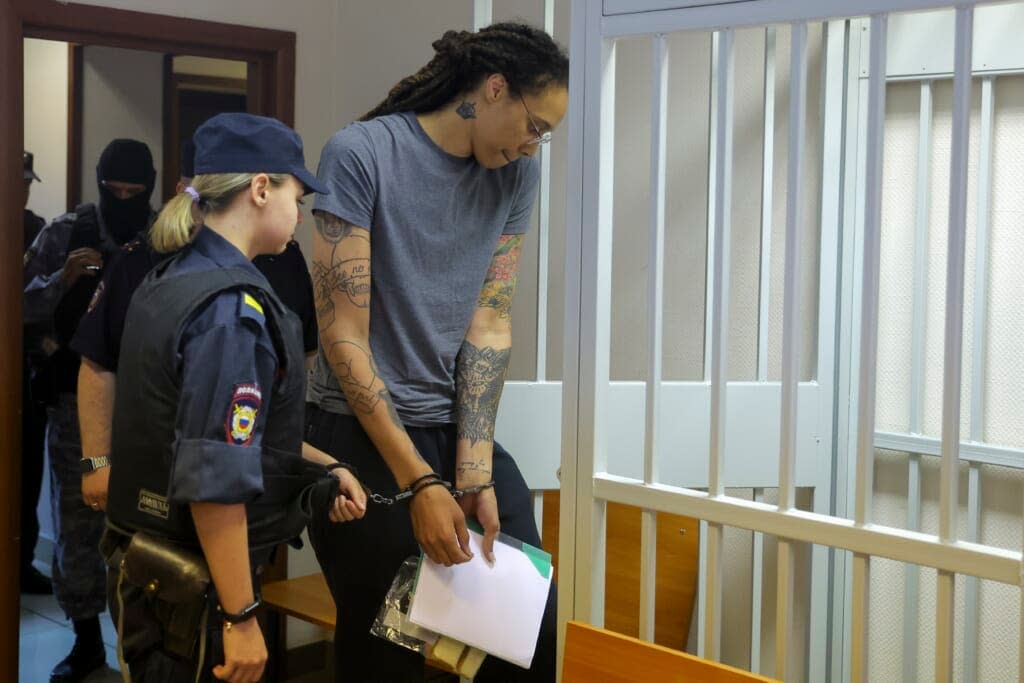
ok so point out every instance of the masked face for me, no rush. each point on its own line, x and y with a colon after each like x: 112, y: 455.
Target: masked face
x: 126, y: 178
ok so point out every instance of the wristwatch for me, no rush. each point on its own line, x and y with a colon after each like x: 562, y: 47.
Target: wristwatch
x: 87, y: 465
x: 248, y: 612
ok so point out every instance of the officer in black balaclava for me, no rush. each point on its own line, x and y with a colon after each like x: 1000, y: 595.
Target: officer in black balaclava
x: 62, y: 272
x: 126, y: 177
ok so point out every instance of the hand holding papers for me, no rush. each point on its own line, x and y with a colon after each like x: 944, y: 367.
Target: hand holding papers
x: 495, y: 608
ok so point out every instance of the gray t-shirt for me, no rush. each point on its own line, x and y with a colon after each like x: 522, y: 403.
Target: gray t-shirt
x: 434, y: 222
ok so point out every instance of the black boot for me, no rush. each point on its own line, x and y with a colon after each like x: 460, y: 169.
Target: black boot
x: 87, y: 655
x: 34, y: 582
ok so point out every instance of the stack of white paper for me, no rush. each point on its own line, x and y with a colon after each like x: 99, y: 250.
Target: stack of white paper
x: 497, y: 609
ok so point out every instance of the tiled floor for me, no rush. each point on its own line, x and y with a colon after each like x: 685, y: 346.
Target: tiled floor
x: 46, y: 638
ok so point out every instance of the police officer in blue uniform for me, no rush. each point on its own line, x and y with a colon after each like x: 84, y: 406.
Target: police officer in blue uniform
x: 98, y: 339
x: 62, y: 269
x: 209, y: 467
x: 35, y: 392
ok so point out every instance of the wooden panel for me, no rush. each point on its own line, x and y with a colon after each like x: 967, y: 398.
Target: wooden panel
x: 676, y: 583
x: 309, y: 599
x: 11, y: 204
x: 304, y: 597
x: 594, y: 654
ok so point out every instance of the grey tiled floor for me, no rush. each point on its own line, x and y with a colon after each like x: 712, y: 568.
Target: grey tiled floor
x: 45, y: 638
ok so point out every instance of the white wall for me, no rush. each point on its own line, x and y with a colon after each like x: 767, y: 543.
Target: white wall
x: 122, y: 97
x: 46, y: 123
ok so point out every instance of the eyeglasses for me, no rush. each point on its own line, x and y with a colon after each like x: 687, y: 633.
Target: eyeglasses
x: 542, y: 138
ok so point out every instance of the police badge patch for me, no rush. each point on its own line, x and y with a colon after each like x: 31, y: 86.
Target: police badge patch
x: 241, y: 418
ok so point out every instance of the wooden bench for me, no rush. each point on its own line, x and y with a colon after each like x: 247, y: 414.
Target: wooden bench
x: 595, y: 654
x: 308, y: 598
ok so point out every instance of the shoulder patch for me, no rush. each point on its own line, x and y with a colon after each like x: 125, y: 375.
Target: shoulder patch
x: 240, y: 422
x: 250, y: 308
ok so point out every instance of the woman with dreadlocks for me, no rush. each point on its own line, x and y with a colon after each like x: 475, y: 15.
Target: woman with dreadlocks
x: 415, y: 259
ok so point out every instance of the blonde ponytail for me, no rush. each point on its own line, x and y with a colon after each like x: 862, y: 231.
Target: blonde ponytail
x: 174, y: 227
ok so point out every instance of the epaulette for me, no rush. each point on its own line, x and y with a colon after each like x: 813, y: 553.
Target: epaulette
x: 249, y: 308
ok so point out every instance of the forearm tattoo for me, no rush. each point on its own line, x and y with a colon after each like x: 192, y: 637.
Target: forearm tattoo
x: 466, y: 110
x: 472, y: 467
x: 500, y: 284
x: 479, y: 380
x: 343, y: 274
x: 360, y: 379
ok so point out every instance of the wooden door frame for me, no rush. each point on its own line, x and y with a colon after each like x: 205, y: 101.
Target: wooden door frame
x: 271, y: 53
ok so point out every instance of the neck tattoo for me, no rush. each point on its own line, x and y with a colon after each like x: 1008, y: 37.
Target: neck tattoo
x: 466, y: 110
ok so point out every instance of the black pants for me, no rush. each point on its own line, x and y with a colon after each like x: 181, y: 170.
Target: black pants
x: 360, y: 559
x: 142, y: 636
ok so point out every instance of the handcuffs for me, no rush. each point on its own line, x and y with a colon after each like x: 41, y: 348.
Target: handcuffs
x: 431, y: 479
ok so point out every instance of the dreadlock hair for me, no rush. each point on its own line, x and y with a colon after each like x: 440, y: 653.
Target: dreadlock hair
x: 527, y: 57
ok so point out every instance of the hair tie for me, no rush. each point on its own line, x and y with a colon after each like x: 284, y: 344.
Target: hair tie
x: 194, y: 193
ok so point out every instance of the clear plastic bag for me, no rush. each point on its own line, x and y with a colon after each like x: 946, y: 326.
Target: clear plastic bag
x: 392, y: 622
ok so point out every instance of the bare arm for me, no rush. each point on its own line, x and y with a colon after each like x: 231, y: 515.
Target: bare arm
x: 95, y: 416
x: 341, y: 286
x: 480, y: 377
x: 223, y: 535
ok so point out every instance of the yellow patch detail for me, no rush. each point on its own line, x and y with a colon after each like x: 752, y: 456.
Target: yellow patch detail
x: 250, y: 300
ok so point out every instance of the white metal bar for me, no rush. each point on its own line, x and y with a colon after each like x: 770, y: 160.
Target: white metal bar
x: 656, y: 253
x: 655, y: 313
x: 648, y: 573
x: 971, y: 583
x: 869, y: 298
x: 791, y: 341
x: 713, y: 588
x: 702, y: 584
x: 767, y: 201
x: 483, y: 13
x: 954, y: 338
x: 720, y: 272
x: 756, y: 593
x: 742, y: 14
x: 959, y: 557
x: 868, y: 338
x: 981, y: 276
x: 861, y: 585
x: 978, y: 370
x: 544, y: 232
x: 784, y: 664
x: 594, y: 306
x: 849, y: 340
x: 709, y: 266
x: 919, y: 302
x: 793, y: 276
x: 719, y: 342
x: 538, y: 512
x: 970, y: 451
x: 572, y: 484
x: 820, y: 648
x: 912, y: 574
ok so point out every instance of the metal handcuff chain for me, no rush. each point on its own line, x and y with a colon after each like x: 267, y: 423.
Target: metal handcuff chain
x: 414, y: 488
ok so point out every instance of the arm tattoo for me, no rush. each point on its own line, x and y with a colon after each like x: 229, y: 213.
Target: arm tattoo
x: 500, y: 283
x: 466, y: 110
x: 473, y: 466
x: 360, y: 379
x: 479, y: 380
x: 349, y: 276
x: 332, y: 228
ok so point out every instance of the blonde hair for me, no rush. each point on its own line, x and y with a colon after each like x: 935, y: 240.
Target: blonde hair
x: 174, y: 227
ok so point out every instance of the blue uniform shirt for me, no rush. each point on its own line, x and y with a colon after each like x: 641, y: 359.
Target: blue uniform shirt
x: 228, y: 365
